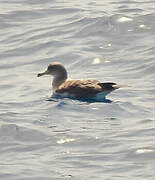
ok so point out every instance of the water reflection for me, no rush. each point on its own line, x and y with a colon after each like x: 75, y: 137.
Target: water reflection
x: 63, y: 101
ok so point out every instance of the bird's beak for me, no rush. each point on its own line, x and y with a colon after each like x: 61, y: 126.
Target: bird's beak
x: 44, y: 73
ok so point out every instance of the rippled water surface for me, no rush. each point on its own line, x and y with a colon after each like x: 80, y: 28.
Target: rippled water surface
x: 68, y: 139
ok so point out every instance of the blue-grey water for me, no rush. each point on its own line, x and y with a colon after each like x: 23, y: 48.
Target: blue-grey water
x: 68, y: 139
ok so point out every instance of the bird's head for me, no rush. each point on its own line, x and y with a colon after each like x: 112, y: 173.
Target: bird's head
x: 55, y: 69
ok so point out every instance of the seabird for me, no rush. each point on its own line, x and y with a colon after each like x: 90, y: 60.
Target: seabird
x: 81, y: 89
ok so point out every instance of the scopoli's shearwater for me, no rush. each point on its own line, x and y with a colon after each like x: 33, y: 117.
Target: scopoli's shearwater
x: 82, y: 89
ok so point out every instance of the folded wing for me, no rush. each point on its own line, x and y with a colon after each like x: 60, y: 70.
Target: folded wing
x: 84, y: 88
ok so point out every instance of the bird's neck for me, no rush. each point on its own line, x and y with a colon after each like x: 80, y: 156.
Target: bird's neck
x: 58, y: 81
